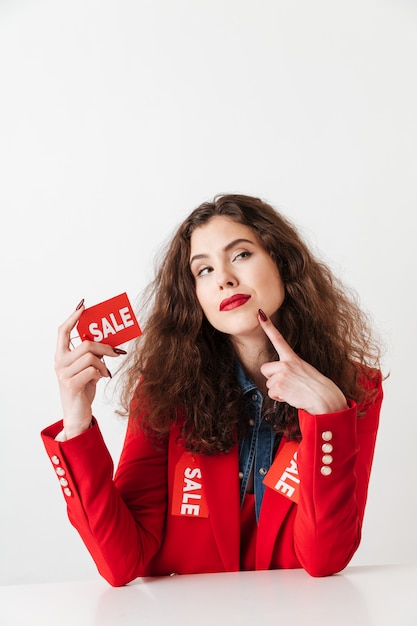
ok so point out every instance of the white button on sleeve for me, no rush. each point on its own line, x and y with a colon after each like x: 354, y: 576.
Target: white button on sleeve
x: 327, y: 448
x: 326, y: 470
x: 327, y: 459
x: 327, y: 435
x: 67, y: 491
x: 55, y: 460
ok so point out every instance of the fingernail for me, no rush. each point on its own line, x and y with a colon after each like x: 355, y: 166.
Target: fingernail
x: 79, y: 305
x: 119, y: 351
x: 109, y: 372
x: 262, y: 315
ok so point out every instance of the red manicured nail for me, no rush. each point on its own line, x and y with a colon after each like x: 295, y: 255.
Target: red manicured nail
x: 262, y: 315
x: 79, y: 305
x: 119, y: 351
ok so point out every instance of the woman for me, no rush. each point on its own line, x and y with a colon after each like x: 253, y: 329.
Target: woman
x: 254, y: 396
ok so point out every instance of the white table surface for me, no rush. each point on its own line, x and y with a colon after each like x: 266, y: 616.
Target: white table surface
x: 359, y: 596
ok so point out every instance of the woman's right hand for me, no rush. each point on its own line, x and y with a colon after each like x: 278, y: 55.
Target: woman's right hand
x: 78, y: 370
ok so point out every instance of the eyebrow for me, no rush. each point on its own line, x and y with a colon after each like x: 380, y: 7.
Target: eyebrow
x: 230, y: 245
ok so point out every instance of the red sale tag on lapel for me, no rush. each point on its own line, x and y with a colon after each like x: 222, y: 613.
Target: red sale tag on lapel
x: 111, y: 322
x: 189, y: 498
x: 283, y: 473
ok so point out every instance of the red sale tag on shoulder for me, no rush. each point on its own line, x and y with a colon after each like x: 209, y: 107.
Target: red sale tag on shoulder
x: 111, y: 322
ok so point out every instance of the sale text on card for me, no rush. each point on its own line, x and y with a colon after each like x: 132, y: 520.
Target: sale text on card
x: 111, y: 322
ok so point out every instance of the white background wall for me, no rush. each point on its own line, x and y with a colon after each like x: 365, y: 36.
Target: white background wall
x: 118, y: 118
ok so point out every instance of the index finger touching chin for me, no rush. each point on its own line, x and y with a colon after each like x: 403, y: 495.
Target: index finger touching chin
x: 283, y: 349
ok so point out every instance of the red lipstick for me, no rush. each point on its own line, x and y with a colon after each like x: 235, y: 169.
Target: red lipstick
x: 233, y: 302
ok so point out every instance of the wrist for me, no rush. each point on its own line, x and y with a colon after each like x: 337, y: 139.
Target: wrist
x: 73, y: 430
x: 329, y: 406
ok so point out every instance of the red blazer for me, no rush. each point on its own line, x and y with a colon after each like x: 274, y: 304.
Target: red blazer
x: 127, y: 524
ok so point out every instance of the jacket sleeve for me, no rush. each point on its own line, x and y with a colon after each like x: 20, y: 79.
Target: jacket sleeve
x: 334, y: 465
x: 120, y: 519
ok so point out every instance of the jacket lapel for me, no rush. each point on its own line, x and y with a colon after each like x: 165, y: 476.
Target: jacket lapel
x: 274, y: 509
x: 221, y: 481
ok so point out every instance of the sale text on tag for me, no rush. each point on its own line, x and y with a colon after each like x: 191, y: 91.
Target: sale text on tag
x: 283, y: 473
x: 189, y: 498
x: 111, y: 322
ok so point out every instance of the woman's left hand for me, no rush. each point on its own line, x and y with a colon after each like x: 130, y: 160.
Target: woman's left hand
x: 296, y: 382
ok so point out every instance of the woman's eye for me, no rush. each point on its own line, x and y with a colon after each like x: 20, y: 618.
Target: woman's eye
x: 203, y: 271
x: 242, y: 255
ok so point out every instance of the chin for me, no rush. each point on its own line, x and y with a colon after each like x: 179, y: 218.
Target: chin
x: 245, y: 331
x: 239, y: 324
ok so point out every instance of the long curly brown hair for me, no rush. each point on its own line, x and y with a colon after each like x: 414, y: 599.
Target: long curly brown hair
x: 187, y: 368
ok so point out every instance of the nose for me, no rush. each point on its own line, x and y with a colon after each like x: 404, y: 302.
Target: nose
x: 226, y: 279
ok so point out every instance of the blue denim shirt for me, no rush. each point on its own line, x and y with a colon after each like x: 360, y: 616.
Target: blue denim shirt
x: 256, y: 448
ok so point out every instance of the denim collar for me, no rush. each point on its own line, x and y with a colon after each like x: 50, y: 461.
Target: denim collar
x: 256, y: 447
x: 245, y: 383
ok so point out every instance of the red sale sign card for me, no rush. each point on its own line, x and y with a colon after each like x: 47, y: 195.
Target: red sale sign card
x: 111, y: 322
